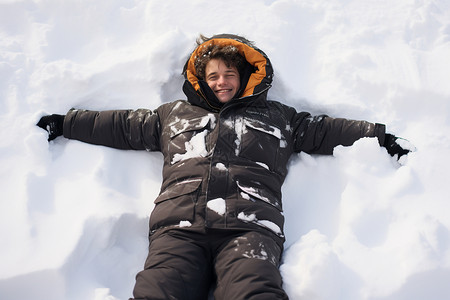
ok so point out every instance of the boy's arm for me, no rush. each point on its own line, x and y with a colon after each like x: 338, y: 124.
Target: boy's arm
x: 319, y: 135
x: 121, y: 129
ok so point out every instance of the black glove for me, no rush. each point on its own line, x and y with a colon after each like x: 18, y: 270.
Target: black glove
x: 395, y: 145
x: 53, y: 124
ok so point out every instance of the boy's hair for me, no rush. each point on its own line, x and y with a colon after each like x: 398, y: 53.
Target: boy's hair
x: 229, y: 54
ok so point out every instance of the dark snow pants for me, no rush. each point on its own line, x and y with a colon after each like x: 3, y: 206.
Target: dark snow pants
x: 183, y: 265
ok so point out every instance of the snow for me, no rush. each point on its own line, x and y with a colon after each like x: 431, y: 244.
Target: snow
x: 264, y: 223
x: 185, y: 224
x: 221, y: 167
x: 218, y: 205
x: 262, y: 165
x: 195, y: 147
x: 255, y: 124
x: 247, y: 218
x: 255, y: 192
x: 239, y: 128
x: 359, y: 225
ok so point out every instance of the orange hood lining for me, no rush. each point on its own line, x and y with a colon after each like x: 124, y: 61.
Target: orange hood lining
x: 253, y: 57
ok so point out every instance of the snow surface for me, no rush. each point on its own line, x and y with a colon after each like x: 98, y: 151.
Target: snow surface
x: 74, y: 217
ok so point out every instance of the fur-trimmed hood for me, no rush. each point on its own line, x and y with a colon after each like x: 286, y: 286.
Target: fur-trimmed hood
x: 257, y: 80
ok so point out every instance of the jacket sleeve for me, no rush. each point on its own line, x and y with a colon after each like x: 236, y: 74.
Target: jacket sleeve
x: 122, y: 129
x: 320, y: 134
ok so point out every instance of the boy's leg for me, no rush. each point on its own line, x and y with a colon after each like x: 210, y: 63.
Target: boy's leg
x: 247, y: 268
x: 177, y: 267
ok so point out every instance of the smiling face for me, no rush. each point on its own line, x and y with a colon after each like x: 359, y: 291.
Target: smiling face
x: 222, y: 79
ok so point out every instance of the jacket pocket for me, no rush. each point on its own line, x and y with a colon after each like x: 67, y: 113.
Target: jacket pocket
x: 261, y: 143
x: 176, y: 204
x: 188, y: 125
x: 188, y: 138
x: 259, y: 207
x: 254, y: 193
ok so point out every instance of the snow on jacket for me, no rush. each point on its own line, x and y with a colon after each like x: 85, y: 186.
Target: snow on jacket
x: 223, y: 167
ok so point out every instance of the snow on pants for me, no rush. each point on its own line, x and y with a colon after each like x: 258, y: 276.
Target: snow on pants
x: 184, y: 265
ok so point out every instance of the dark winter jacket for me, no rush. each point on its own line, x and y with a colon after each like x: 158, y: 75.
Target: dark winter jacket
x: 223, y: 167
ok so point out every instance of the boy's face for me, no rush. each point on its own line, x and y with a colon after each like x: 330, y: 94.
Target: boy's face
x: 223, y: 80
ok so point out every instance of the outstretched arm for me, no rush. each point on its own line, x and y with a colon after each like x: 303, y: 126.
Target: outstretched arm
x: 320, y: 134
x: 122, y: 129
